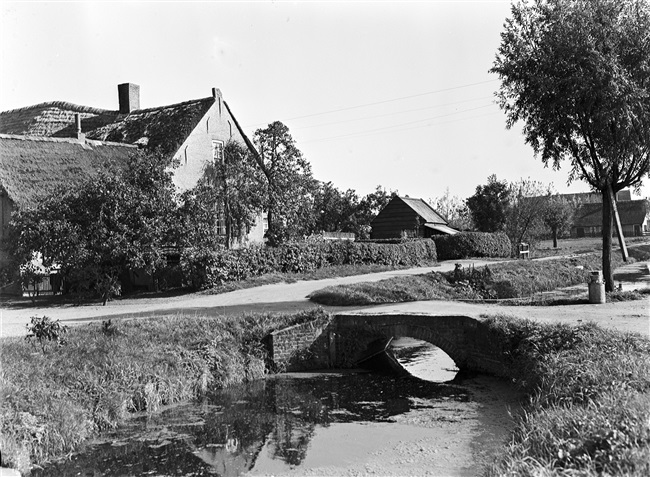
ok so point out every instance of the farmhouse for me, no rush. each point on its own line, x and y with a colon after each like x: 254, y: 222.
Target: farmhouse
x: 634, y: 216
x: 406, y: 217
x: 190, y: 134
x: 31, y: 168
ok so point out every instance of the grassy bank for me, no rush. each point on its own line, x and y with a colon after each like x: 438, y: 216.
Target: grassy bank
x: 588, y: 411
x: 589, y: 401
x: 515, y: 279
x: 52, y: 401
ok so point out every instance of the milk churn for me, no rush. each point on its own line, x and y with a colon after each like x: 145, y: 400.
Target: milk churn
x: 596, y: 288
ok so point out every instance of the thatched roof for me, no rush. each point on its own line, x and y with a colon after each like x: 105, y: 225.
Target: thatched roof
x: 34, y: 167
x: 631, y: 212
x: 424, y: 210
x: 55, y: 118
x: 163, y: 128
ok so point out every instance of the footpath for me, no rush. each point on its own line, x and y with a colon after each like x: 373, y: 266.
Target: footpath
x: 290, y: 297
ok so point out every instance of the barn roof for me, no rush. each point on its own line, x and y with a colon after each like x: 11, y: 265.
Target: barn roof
x: 630, y: 212
x: 33, y: 167
x: 424, y: 210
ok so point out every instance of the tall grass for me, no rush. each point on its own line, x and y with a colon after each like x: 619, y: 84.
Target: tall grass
x: 53, y: 401
x: 589, y: 400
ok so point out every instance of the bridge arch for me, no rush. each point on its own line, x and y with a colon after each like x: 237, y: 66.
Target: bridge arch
x: 466, y: 340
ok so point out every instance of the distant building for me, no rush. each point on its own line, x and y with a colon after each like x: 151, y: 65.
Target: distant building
x: 595, y: 197
x: 406, y: 217
x: 634, y: 216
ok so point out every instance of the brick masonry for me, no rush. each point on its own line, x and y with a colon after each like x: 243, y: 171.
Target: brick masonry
x: 300, y: 347
x: 342, y: 341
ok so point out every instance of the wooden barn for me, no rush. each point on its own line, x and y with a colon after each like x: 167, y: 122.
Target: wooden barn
x: 405, y: 217
x: 634, y: 216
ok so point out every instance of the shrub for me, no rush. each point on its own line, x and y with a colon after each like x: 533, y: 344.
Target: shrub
x: 44, y: 330
x: 207, y: 268
x: 472, y: 244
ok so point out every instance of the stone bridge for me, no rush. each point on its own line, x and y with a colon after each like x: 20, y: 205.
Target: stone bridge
x: 340, y: 342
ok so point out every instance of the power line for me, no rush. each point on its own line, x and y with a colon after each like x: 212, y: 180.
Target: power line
x: 372, y: 131
x: 385, y: 101
x: 390, y: 114
x: 402, y: 129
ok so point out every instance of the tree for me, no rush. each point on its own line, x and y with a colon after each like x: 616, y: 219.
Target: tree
x: 489, y: 205
x: 577, y: 74
x: 290, y: 185
x: 454, y: 210
x: 524, y: 217
x: 335, y: 211
x: 235, y: 192
x: 116, y: 220
x: 558, y: 216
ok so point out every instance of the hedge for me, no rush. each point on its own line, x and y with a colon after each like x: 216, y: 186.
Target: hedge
x: 472, y: 244
x: 205, y: 268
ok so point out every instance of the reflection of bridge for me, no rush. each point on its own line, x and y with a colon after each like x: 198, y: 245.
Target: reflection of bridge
x: 342, y: 341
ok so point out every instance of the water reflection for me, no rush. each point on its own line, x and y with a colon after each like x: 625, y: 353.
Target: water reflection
x: 424, y: 360
x: 225, y: 434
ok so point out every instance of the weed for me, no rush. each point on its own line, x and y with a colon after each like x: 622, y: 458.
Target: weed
x: 109, y: 328
x: 630, y: 295
x: 44, y: 330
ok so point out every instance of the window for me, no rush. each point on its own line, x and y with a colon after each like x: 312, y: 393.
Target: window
x: 217, y: 151
x: 221, y: 223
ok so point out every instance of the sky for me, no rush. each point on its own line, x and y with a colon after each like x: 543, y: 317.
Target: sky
x: 395, y: 94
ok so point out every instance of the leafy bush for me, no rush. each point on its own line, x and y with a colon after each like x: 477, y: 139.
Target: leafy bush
x: 472, y: 244
x: 44, y: 330
x: 207, y: 268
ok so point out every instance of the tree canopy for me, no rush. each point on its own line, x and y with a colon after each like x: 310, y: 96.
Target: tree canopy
x: 489, y: 205
x: 577, y: 74
x: 233, y: 189
x: 116, y: 220
x: 290, y: 185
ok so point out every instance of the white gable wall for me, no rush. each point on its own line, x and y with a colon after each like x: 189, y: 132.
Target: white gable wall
x: 196, y: 152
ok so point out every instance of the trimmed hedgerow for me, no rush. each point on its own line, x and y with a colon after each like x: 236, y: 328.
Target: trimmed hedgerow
x: 206, y: 268
x: 472, y: 244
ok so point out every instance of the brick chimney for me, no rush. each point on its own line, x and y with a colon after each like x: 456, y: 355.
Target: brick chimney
x: 129, y: 96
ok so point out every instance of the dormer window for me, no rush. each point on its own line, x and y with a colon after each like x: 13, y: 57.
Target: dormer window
x: 217, y: 151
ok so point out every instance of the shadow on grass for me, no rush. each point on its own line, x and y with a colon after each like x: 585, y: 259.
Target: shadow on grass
x: 213, y: 312
x: 57, y: 301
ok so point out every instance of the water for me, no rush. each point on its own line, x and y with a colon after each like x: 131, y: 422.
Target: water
x: 301, y: 423
x: 424, y: 360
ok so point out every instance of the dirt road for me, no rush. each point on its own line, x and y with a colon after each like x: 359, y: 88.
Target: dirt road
x: 289, y: 297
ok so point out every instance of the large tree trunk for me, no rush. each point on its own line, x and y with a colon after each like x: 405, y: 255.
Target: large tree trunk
x: 608, y: 273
